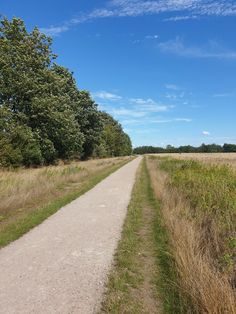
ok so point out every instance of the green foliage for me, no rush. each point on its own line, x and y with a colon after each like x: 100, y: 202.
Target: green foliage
x: 114, y: 142
x: 210, y: 148
x: 43, y: 115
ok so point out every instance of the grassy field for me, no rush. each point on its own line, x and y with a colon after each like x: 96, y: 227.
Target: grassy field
x: 28, y: 196
x: 213, y: 158
x: 199, y: 210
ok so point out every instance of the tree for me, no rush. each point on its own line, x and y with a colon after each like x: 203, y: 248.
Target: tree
x: 44, y: 116
x: 113, y: 139
x: 35, y: 91
x: 90, y: 122
x: 229, y: 148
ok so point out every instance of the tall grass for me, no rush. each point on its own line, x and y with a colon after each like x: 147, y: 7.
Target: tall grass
x: 28, y: 196
x: 198, y: 206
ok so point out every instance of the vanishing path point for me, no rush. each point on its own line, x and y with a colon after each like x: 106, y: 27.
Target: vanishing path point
x: 61, y: 266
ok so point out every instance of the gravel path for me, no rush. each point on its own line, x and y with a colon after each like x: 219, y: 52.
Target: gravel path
x: 61, y: 265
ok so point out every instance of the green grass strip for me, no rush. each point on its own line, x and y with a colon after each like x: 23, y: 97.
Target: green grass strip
x: 126, y: 275
x: 17, y: 229
x: 167, y: 280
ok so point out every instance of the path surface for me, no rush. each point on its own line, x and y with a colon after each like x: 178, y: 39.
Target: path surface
x: 61, y: 265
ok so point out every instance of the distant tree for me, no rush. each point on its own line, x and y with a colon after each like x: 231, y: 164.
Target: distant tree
x: 210, y: 148
x: 114, y: 141
x: 229, y: 148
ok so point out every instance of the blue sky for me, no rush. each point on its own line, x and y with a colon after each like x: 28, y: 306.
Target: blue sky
x: 166, y: 69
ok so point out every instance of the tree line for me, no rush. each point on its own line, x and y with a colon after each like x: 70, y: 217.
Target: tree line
x: 43, y: 115
x: 204, y: 148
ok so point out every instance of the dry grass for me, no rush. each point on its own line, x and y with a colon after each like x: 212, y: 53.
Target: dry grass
x: 208, y: 288
x: 23, y: 190
x: 212, y: 158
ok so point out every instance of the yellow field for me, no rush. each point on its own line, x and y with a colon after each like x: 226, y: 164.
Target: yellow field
x: 24, y: 190
x: 213, y: 158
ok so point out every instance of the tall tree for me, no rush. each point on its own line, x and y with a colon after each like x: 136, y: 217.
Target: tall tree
x: 44, y: 116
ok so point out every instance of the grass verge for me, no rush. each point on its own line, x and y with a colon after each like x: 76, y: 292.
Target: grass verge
x: 167, y: 280
x: 126, y: 274
x: 143, y: 254
x: 16, y: 229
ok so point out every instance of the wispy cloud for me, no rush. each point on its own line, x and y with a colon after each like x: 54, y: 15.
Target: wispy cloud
x: 181, y: 18
x: 185, y: 9
x: 151, y: 36
x: 136, y: 110
x: 211, y: 50
x: 148, y: 105
x: 151, y: 120
x: 206, y: 133
x: 172, y: 120
x: 147, y: 37
x: 183, y: 120
x: 55, y: 30
x: 222, y: 95
x: 106, y: 96
x: 196, y: 7
x: 129, y: 107
x: 128, y: 113
x: 172, y: 87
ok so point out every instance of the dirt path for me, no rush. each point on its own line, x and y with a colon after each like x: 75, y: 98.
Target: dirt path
x: 61, y: 265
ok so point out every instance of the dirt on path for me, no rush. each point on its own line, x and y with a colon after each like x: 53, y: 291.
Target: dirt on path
x: 61, y: 266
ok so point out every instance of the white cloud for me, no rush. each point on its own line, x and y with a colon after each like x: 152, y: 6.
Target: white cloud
x: 221, y: 95
x: 54, y: 30
x: 106, y: 96
x: 150, y: 120
x: 172, y: 87
x: 181, y: 18
x: 128, y: 113
x: 149, y: 105
x: 151, y: 36
x: 195, y: 7
x: 212, y: 50
x: 183, y: 120
x: 172, y: 120
x: 161, y: 121
x: 206, y: 133
x: 131, y: 121
x: 191, y: 9
x: 136, y: 111
x: 147, y: 37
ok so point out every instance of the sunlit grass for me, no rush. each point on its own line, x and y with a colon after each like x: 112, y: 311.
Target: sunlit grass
x: 198, y: 208
x: 28, y: 196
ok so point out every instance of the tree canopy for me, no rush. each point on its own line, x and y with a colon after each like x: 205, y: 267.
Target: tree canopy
x: 43, y: 114
x: 204, y: 148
